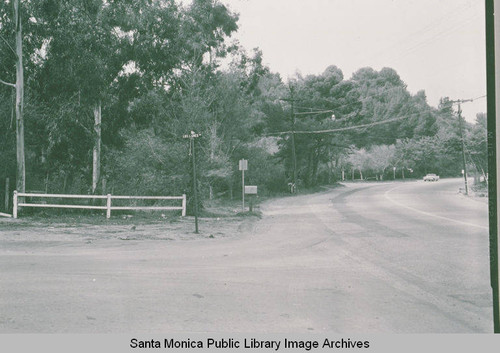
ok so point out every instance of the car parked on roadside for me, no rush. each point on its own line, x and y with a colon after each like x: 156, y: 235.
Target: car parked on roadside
x: 431, y: 177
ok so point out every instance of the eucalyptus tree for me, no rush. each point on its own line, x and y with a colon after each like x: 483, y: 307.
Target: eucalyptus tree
x: 14, y: 25
x: 321, y: 102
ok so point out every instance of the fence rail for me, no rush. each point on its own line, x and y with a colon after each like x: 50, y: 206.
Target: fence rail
x: 107, y: 197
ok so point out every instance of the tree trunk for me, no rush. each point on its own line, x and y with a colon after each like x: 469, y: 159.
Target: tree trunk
x: 47, y: 183
x: 65, y: 183
x: 21, y: 169
x: 315, y: 162
x: 7, y: 191
x: 213, y: 147
x: 96, y: 155
x: 308, y: 172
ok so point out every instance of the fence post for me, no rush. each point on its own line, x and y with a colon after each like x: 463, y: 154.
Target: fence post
x: 14, y: 201
x: 183, y: 205
x: 108, y: 206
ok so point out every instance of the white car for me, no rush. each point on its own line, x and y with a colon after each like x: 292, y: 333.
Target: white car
x: 431, y: 177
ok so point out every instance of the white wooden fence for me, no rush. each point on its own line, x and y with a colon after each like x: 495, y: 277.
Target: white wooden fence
x: 108, y: 206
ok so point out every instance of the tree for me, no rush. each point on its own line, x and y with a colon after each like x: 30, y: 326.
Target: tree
x: 477, y: 145
x: 380, y: 158
x: 19, y: 87
x: 359, y: 160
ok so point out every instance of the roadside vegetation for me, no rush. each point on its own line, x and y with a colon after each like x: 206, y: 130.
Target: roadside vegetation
x: 111, y: 87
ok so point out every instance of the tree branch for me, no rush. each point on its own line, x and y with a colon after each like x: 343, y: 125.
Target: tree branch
x: 11, y: 49
x: 7, y: 83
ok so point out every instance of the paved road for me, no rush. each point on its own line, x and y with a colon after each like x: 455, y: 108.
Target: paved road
x: 393, y: 257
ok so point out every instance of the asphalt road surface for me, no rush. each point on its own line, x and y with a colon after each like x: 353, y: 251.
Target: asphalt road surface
x: 365, y: 258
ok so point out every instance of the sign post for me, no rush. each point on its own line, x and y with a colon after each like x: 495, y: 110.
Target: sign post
x: 251, y: 190
x: 191, y: 138
x: 243, y: 166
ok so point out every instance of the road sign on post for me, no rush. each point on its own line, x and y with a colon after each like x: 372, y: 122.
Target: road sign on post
x: 243, y: 165
x: 252, y: 191
x: 191, y: 138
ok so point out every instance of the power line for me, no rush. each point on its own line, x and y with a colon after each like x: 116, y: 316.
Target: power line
x: 338, y: 129
x: 449, y: 19
x: 457, y: 102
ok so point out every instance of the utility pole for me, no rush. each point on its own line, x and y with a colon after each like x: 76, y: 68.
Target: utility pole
x: 460, y: 122
x: 294, y: 156
x: 292, y: 132
x: 191, y: 138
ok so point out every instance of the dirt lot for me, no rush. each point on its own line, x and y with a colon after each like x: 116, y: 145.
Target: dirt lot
x: 222, y: 222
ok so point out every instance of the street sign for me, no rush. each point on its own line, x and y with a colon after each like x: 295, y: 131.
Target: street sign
x: 243, y: 164
x: 251, y: 189
x: 191, y: 138
x: 191, y: 135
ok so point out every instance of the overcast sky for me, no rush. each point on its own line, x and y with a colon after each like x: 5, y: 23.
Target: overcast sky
x: 434, y: 45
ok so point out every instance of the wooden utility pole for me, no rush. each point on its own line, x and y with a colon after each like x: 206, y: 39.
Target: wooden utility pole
x: 460, y: 123
x: 463, y: 144
x: 294, y: 156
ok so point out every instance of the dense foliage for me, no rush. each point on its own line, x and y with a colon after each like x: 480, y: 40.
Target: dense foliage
x: 160, y: 70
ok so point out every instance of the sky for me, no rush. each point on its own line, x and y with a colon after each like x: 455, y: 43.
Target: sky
x: 434, y: 45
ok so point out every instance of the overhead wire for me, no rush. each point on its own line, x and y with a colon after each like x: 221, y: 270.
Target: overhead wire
x: 433, y: 31
x: 350, y: 127
x: 337, y: 129
x: 435, y: 37
x: 364, y: 99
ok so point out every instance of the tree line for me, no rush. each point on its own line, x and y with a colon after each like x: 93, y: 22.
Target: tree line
x: 108, y: 89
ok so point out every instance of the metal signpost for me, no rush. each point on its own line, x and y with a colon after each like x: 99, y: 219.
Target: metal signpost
x: 243, y: 166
